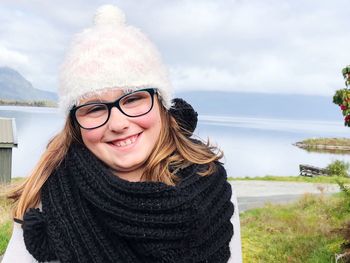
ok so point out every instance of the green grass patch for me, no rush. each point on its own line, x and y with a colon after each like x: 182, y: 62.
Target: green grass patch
x: 6, y: 222
x: 327, y: 141
x: 5, y: 235
x: 304, y: 232
x: 304, y: 179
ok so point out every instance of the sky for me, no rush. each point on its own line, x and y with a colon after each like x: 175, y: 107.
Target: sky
x: 268, y: 46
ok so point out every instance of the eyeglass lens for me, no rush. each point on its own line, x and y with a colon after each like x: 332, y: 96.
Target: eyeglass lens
x: 93, y: 115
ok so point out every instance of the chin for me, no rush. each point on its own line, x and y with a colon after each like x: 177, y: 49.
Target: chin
x: 127, y: 168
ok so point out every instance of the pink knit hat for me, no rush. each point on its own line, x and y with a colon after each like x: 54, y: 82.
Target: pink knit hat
x: 109, y: 55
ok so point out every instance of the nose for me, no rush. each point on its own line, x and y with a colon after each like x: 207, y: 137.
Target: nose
x: 117, y: 122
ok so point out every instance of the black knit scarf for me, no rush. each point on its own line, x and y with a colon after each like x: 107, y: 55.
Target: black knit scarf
x: 90, y: 215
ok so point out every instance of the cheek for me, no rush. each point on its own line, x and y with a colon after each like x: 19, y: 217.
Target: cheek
x: 90, y: 136
x: 151, y: 120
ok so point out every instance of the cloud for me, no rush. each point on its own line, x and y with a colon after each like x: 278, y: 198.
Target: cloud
x: 12, y: 58
x: 252, y: 46
x: 266, y: 79
x: 270, y: 46
x: 35, y: 43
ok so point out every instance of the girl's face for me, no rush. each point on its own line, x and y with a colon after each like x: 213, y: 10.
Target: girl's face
x: 123, y: 143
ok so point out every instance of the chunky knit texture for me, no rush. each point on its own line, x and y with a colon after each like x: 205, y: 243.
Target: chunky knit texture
x: 184, y: 114
x: 90, y: 215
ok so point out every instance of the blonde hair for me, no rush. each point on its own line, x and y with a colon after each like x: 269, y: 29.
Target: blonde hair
x: 174, y: 150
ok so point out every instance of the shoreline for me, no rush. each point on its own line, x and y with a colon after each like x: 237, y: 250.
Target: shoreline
x: 306, y: 146
x: 39, y: 103
x: 336, y: 144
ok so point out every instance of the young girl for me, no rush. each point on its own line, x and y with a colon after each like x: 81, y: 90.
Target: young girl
x: 123, y: 181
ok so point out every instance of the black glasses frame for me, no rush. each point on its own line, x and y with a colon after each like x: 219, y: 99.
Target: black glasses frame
x: 110, y: 105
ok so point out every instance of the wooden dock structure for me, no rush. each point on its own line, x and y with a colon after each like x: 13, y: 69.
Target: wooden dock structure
x: 311, y: 171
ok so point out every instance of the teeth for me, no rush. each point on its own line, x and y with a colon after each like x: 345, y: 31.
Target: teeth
x: 126, y: 142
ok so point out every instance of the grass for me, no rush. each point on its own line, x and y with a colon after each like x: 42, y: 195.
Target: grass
x: 5, y: 234
x: 5, y: 219
x: 304, y: 179
x: 327, y: 141
x: 301, y: 232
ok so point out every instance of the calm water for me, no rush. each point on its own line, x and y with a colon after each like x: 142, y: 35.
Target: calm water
x: 252, y: 146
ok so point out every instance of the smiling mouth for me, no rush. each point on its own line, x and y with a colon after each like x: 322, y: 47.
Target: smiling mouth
x: 126, y: 142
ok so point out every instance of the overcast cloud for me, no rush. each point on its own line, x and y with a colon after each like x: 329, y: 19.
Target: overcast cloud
x: 273, y: 46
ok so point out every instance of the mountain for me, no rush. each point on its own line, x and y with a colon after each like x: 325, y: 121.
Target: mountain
x: 284, y: 106
x: 13, y: 86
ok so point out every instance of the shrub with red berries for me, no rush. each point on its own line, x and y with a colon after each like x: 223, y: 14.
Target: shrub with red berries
x: 342, y: 97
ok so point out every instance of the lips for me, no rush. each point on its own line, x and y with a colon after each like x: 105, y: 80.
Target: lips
x: 125, y: 141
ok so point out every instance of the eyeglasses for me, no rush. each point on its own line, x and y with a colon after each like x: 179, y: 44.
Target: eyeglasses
x: 96, y: 114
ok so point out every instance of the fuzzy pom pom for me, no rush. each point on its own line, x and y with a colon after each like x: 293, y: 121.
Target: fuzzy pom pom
x: 35, y: 235
x: 184, y: 114
x: 109, y: 15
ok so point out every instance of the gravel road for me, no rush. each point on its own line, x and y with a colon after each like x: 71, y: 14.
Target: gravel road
x: 253, y: 194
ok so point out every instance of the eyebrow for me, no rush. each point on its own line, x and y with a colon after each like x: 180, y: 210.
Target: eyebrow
x: 95, y: 101
x: 99, y: 100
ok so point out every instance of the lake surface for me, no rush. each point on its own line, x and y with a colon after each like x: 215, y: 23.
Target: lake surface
x: 252, y: 146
